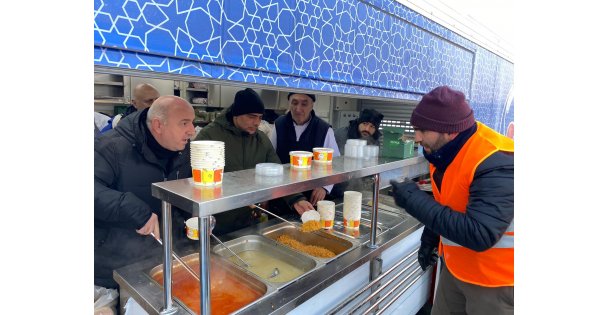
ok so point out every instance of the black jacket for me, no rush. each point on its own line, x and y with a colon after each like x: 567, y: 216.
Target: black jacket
x: 313, y: 136
x: 125, y: 167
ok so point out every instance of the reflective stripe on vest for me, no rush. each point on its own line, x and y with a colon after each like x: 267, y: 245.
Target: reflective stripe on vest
x: 506, y: 241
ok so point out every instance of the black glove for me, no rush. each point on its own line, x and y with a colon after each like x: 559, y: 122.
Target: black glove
x: 427, y: 255
x: 403, y: 190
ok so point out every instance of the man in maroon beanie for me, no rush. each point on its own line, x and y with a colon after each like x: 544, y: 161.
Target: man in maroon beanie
x: 469, y: 220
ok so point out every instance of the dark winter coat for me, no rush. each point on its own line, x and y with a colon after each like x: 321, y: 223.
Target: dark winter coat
x: 242, y: 151
x: 125, y: 167
x: 312, y: 137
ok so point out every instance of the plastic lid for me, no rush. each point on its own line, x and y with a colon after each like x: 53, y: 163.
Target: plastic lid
x: 311, y: 215
x: 269, y: 169
x: 356, y: 142
x: 300, y: 153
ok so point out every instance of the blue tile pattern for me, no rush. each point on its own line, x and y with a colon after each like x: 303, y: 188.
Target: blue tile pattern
x: 376, y: 47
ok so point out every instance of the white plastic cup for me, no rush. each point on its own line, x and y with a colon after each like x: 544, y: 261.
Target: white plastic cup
x: 370, y: 151
x: 192, y: 228
x: 360, y: 151
x: 352, y: 209
x: 327, y: 209
x: 207, y: 159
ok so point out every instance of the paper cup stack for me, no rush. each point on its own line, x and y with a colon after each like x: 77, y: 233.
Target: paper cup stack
x: 352, y: 209
x: 327, y: 210
x: 207, y: 161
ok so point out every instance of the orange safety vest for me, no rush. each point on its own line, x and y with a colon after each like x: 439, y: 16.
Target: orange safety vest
x: 493, y: 267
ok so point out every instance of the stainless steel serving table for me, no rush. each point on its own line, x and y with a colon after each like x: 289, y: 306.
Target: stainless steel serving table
x: 244, y: 188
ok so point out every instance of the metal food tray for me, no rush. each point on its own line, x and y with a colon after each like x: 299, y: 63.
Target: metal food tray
x: 262, y: 244
x: 216, y: 262
x: 338, y: 244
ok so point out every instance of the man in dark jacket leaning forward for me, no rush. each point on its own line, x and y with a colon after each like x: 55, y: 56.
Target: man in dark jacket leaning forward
x: 471, y: 217
x: 245, y: 146
x: 151, y: 145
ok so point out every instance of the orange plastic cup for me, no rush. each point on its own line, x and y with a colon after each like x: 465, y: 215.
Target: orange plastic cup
x: 300, y: 159
x: 207, y: 176
x: 323, y: 155
x: 351, y: 224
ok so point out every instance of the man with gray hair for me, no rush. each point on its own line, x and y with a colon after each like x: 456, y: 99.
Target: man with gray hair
x: 151, y: 145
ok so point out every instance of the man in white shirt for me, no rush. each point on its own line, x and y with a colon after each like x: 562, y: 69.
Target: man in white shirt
x: 301, y: 130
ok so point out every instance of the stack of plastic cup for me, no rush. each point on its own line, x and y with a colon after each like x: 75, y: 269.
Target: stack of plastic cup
x: 352, y: 209
x: 207, y: 160
x: 370, y: 151
x: 354, y: 148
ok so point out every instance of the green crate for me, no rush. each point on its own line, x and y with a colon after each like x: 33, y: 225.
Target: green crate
x: 393, y: 144
x: 119, y: 109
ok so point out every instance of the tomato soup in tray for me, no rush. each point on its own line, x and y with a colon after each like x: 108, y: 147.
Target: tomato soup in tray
x: 231, y: 289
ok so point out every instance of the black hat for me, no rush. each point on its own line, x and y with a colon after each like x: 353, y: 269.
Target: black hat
x: 247, y: 101
x: 314, y: 99
x: 371, y: 116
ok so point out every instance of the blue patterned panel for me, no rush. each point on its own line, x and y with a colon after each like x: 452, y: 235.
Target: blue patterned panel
x: 258, y: 34
x: 376, y: 48
x: 492, y: 83
x: 344, y: 41
x: 185, y: 28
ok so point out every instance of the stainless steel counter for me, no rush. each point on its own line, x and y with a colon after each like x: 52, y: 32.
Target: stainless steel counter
x: 244, y: 188
x: 135, y: 281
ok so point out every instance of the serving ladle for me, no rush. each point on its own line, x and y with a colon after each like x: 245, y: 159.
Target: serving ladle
x: 179, y: 259
x: 257, y: 206
x: 275, y: 272
x: 230, y: 250
x: 212, y: 225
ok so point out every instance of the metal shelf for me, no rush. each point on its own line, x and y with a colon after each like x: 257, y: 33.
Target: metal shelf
x: 110, y: 83
x: 244, y: 188
x: 110, y: 101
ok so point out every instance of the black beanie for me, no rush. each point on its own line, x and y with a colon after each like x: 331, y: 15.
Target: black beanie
x: 371, y: 116
x: 247, y: 101
x: 443, y: 110
x: 314, y: 99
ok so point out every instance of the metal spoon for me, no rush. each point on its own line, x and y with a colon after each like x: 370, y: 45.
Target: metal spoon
x: 274, y: 215
x: 179, y: 259
x: 275, y: 272
x: 233, y: 253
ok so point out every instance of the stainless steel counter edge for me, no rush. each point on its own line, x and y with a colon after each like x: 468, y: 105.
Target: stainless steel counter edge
x: 242, y: 188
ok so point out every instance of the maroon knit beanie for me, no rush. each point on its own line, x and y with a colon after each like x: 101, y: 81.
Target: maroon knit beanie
x: 443, y: 110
